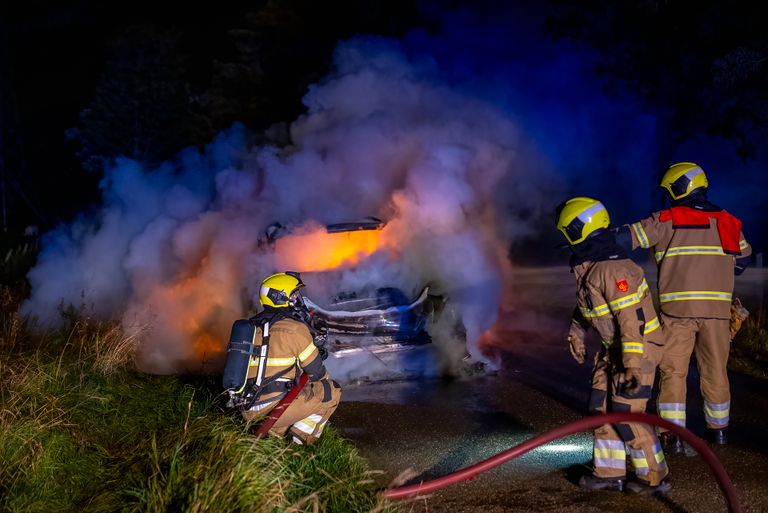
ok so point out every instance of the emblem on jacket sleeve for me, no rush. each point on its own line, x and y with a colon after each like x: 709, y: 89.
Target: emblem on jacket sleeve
x: 622, y: 285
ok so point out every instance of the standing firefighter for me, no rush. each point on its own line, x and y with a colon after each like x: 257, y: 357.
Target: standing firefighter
x: 267, y: 353
x: 613, y: 298
x: 697, y: 246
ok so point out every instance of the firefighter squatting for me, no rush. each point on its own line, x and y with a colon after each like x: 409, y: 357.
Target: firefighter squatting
x: 698, y: 247
x: 265, y: 356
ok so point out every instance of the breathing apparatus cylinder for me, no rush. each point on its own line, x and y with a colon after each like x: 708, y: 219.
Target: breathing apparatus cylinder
x: 242, y: 345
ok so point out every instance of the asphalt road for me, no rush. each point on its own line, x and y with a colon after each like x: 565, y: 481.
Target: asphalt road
x: 433, y: 427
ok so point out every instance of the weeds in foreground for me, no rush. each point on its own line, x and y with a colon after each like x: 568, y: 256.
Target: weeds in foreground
x: 750, y: 346
x: 80, y: 430
x: 11, y: 326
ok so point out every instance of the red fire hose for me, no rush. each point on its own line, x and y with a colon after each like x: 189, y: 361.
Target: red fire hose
x: 278, y: 410
x: 584, y: 424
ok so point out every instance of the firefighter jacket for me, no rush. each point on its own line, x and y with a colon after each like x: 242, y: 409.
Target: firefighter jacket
x: 290, y: 346
x: 613, y: 298
x: 695, y: 248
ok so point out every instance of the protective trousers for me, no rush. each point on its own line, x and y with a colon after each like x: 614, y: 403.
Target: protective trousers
x: 709, y: 339
x: 612, y: 442
x: 308, y: 414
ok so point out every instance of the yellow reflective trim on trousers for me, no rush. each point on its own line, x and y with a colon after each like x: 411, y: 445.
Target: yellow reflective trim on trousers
x: 689, y: 250
x: 743, y: 244
x: 632, y: 347
x: 715, y: 414
x: 640, y: 462
x: 651, y: 326
x: 611, y: 454
x: 642, y: 238
x: 617, y: 304
x: 668, y: 414
x: 695, y: 295
x: 659, y: 457
x: 307, y: 352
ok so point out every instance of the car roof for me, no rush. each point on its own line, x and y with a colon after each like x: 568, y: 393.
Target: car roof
x: 370, y: 223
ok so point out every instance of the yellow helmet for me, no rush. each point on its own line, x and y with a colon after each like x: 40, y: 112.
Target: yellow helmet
x: 683, y: 178
x: 579, y: 217
x: 276, y: 290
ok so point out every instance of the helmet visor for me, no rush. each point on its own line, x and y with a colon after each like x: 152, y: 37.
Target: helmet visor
x: 680, y: 186
x: 277, y: 296
x: 574, y: 229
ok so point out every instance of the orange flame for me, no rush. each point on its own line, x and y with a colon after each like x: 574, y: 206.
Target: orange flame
x: 198, y: 300
x: 319, y: 250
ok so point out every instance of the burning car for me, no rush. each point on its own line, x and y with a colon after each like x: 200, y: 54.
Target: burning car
x: 378, y: 332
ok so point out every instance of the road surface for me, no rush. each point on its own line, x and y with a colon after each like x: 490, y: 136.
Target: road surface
x: 433, y: 427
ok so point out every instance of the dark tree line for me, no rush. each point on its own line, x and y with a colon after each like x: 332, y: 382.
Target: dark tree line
x: 162, y: 89
x: 701, y: 67
x: 94, y: 80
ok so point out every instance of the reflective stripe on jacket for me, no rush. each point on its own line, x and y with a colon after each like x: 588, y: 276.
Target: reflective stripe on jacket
x: 696, y: 276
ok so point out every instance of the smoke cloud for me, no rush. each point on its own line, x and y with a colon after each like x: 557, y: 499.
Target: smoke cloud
x: 463, y: 142
x: 178, y: 251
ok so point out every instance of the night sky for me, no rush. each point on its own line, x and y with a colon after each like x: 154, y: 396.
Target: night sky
x: 602, y: 132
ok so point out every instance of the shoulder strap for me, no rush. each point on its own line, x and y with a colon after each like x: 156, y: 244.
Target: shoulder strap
x: 264, y: 320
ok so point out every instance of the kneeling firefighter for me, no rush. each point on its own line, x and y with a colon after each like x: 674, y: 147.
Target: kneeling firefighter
x: 613, y: 298
x: 266, y: 355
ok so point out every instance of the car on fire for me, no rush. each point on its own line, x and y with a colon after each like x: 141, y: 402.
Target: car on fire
x: 389, y: 334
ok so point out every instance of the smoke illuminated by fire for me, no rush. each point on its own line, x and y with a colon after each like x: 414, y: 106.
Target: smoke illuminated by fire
x: 178, y: 251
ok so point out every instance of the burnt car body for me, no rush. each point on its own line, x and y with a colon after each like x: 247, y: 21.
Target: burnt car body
x: 386, y: 320
x: 384, y: 329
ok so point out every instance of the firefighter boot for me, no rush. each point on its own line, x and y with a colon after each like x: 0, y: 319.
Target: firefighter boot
x: 718, y: 436
x: 643, y: 488
x: 594, y: 483
x: 672, y: 444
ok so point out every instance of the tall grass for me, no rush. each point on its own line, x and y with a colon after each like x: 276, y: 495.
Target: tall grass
x: 80, y: 430
x: 750, y: 345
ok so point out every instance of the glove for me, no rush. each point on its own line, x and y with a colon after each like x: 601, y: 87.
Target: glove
x: 577, y: 346
x: 629, y: 382
x: 738, y: 316
x: 320, y: 341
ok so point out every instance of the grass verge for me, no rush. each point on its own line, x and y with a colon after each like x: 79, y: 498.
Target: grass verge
x: 79, y: 430
x: 750, y: 346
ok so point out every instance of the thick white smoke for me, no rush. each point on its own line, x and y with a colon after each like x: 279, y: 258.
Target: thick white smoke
x: 176, y: 251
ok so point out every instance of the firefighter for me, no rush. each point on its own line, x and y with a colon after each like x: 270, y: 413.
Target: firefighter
x: 613, y: 299
x: 291, y: 346
x: 697, y: 247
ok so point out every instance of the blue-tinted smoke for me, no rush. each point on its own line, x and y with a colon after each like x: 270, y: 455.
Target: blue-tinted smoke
x: 604, y: 145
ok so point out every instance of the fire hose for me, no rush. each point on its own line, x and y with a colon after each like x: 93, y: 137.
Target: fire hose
x: 584, y: 424
x: 278, y: 410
